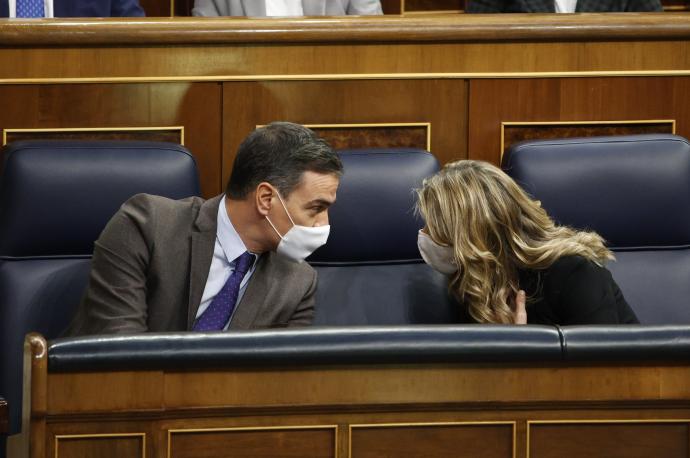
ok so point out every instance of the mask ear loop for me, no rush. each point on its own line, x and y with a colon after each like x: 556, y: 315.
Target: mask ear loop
x: 286, y: 212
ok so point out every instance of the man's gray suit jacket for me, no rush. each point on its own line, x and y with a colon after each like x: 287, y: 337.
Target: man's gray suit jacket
x: 257, y: 8
x: 150, y: 266
x: 547, y: 6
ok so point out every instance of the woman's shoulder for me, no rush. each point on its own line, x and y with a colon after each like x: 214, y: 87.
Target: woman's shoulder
x: 569, y: 265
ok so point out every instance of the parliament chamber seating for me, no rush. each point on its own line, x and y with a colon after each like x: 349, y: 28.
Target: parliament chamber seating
x: 632, y: 190
x: 370, y: 271
x: 407, y: 380
x: 55, y: 198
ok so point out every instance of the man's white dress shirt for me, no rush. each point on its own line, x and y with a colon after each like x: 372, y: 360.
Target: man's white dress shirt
x: 228, y: 247
x: 565, y: 6
x: 284, y: 8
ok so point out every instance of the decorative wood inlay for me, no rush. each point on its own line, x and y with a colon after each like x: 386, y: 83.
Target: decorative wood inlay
x: 515, y: 132
x: 156, y: 134
x: 376, y: 136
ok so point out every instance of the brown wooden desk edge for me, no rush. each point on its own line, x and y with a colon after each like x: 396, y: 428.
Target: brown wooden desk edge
x: 3, y: 416
x: 452, y: 28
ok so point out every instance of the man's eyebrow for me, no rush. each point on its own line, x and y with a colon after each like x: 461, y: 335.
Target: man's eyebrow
x: 324, y: 202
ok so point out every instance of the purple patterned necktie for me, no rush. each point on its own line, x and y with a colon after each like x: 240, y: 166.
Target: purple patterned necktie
x: 30, y: 8
x: 220, y: 310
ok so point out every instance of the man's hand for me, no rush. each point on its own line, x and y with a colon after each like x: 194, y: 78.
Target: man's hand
x: 520, y: 311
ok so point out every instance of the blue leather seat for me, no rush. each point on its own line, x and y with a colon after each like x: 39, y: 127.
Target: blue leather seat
x: 370, y: 271
x: 55, y: 198
x: 635, y: 192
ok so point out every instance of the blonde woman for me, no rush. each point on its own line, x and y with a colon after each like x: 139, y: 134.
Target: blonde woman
x: 502, y: 251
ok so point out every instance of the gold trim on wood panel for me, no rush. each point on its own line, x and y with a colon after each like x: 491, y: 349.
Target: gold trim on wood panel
x: 345, y: 77
x: 101, y: 436
x: 95, y: 129
x: 426, y: 125
x: 255, y: 428
x: 444, y: 423
x: 597, y: 421
x: 505, y: 124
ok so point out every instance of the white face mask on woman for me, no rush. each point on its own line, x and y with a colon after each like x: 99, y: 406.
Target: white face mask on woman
x: 300, y: 241
x: 437, y: 256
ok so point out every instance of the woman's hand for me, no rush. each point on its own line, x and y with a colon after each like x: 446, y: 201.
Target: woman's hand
x: 520, y: 310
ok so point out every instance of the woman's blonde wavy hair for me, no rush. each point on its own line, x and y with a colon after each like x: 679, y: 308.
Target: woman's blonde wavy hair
x: 495, y: 229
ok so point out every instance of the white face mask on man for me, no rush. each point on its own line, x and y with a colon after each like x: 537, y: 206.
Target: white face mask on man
x: 300, y: 241
x: 437, y: 256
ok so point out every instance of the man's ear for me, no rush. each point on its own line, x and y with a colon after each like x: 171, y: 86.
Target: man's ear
x: 264, y: 198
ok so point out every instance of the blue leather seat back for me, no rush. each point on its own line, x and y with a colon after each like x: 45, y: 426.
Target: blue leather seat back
x: 370, y: 271
x: 55, y: 198
x: 635, y: 192
x: 75, y: 187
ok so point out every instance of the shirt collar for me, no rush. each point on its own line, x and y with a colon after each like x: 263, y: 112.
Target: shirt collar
x: 227, y: 235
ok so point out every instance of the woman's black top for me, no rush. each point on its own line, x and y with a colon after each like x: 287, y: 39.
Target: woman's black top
x: 574, y: 290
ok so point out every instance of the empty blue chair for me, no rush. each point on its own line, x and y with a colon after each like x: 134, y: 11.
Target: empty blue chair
x: 635, y: 192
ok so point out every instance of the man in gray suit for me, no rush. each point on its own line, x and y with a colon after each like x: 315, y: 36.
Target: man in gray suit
x: 230, y: 262
x: 564, y: 6
x: 260, y: 8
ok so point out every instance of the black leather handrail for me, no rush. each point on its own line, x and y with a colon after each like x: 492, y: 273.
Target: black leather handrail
x: 372, y: 345
x: 626, y: 343
x: 320, y: 346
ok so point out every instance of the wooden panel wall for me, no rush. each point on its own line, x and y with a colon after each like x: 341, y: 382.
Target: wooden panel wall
x: 438, y: 103
x: 463, y: 85
x: 617, y: 105
x: 129, y: 111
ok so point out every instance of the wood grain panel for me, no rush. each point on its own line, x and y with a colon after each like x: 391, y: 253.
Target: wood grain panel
x: 391, y: 6
x: 101, y: 447
x: 386, y: 385
x: 106, y: 392
x: 448, y: 28
x: 458, y: 441
x: 274, y: 443
x: 438, y: 102
x: 309, y: 61
x: 153, y: 135
x: 194, y: 106
x: 570, y: 100
x: 605, y: 440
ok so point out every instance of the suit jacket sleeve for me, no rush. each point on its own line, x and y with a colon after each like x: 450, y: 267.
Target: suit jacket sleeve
x: 115, y: 299
x: 304, y: 313
x: 364, y: 7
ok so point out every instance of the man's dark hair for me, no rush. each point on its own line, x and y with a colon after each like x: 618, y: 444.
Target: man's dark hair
x: 280, y: 153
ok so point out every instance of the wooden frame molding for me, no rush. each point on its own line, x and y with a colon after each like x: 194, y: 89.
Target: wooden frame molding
x: 5, y: 132
x: 66, y: 437
x: 335, y: 429
x: 504, y: 124
x: 353, y: 426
